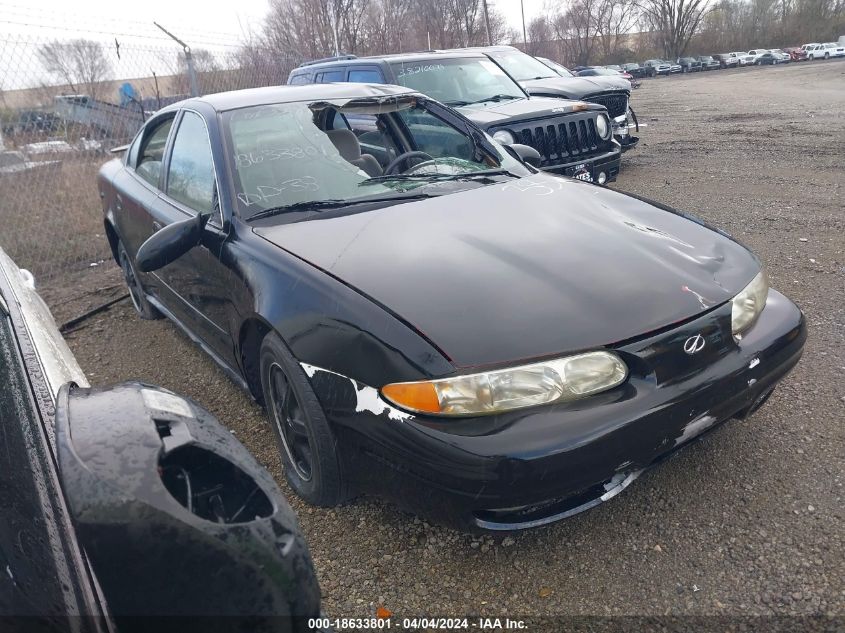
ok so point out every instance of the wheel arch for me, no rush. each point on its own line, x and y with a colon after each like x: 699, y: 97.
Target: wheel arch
x: 112, y: 237
x: 251, y: 333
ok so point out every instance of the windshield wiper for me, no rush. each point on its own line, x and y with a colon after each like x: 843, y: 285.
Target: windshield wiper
x: 299, y: 206
x: 436, y: 177
x: 319, y: 205
x: 499, y: 97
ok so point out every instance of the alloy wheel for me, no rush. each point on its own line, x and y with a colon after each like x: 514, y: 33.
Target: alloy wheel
x: 131, y: 280
x: 289, y: 418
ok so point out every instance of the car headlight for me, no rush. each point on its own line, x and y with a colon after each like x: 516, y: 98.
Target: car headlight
x: 504, y: 137
x: 603, y: 127
x: 558, y: 380
x: 748, y: 304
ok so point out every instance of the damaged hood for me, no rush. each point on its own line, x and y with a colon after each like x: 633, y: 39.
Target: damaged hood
x: 575, y: 87
x: 526, y: 268
x: 493, y: 113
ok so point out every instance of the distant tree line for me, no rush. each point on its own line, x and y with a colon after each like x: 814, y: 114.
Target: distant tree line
x: 572, y: 31
x: 612, y: 31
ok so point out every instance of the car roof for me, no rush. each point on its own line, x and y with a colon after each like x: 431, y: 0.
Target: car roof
x: 234, y: 99
x: 409, y: 57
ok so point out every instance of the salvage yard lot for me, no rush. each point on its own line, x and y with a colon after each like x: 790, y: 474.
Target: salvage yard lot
x: 748, y: 521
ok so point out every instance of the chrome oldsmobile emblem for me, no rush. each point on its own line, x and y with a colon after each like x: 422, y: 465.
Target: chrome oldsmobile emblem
x: 694, y: 344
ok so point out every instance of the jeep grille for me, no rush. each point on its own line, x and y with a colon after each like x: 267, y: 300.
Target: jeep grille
x: 616, y: 103
x: 562, y: 139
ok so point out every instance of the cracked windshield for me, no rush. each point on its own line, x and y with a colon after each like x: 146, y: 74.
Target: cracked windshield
x: 308, y: 155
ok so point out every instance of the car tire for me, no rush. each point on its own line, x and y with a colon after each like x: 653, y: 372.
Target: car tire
x: 142, y: 306
x: 305, y: 440
x: 827, y: 55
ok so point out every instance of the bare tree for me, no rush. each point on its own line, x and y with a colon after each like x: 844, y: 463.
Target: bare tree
x: 540, y: 37
x: 614, y: 19
x: 575, y: 27
x: 674, y: 22
x: 80, y: 63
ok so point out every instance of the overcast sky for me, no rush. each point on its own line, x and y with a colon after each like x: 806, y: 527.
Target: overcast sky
x: 219, y: 21
x: 218, y: 26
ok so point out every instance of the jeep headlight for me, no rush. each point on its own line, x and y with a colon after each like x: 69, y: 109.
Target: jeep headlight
x: 603, y: 126
x: 504, y: 137
x: 748, y: 304
x: 546, y: 382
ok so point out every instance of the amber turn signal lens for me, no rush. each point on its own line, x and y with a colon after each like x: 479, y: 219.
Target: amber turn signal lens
x: 417, y: 396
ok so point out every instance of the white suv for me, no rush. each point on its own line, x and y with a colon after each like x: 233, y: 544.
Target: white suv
x: 744, y: 58
x: 836, y: 50
x: 825, y: 51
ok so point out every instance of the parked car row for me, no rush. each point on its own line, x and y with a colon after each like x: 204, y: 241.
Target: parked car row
x: 753, y: 57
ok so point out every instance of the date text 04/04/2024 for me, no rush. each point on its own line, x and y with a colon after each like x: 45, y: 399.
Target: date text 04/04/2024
x: 479, y: 623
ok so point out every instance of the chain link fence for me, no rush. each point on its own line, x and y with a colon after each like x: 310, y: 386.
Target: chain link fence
x: 64, y: 104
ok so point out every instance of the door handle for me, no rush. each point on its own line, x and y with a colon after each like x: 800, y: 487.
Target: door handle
x: 157, y: 226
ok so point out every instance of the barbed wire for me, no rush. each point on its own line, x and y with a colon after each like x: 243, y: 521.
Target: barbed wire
x: 63, y: 19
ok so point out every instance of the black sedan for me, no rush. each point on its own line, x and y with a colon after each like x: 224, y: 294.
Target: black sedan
x: 770, y: 59
x: 428, y: 317
x: 635, y: 70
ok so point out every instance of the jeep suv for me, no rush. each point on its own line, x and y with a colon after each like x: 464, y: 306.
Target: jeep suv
x: 573, y: 138
x: 540, y: 80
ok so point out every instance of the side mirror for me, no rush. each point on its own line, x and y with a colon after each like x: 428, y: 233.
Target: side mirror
x: 170, y: 243
x: 176, y: 516
x: 526, y: 154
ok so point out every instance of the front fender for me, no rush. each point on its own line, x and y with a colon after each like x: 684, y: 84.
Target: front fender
x: 325, y: 322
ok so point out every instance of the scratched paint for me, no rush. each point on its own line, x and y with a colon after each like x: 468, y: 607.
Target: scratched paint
x: 366, y: 398
x: 695, y: 428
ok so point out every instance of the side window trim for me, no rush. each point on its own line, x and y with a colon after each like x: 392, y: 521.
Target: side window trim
x: 216, y: 218
x: 131, y: 159
x: 147, y: 130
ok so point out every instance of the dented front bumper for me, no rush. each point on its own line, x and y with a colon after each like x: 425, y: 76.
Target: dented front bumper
x: 528, y: 468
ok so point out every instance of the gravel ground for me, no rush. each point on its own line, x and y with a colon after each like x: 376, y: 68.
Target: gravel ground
x: 748, y: 521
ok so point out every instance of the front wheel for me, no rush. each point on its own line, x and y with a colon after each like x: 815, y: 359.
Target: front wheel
x: 827, y: 55
x: 305, y: 441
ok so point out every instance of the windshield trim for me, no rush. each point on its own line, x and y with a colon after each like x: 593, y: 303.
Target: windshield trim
x: 497, y: 56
